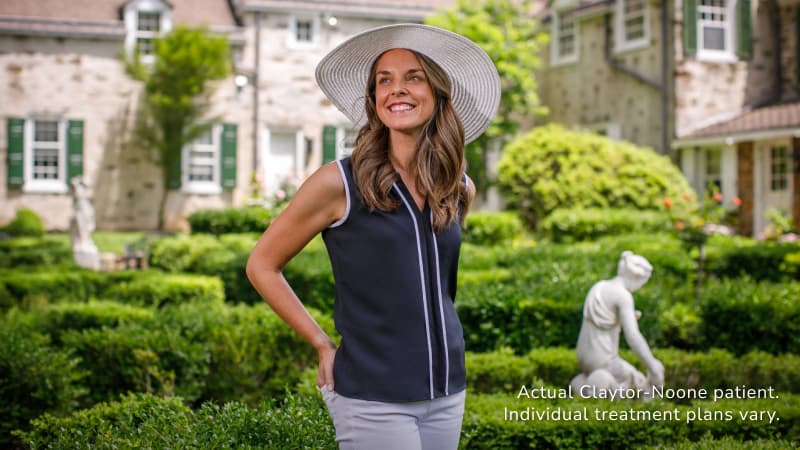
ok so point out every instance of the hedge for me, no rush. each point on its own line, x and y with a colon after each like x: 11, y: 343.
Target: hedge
x: 25, y: 223
x: 36, y: 377
x: 144, y: 421
x: 503, y: 371
x: 251, y: 219
x: 491, y: 228
x: 28, y: 251
x: 155, y: 289
x: 763, y: 262
x: 582, y: 224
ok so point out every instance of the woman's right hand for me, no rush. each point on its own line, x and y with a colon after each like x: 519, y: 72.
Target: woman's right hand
x: 325, y: 371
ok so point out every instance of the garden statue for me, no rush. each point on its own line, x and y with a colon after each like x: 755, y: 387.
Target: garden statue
x: 81, y: 225
x: 609, y: 309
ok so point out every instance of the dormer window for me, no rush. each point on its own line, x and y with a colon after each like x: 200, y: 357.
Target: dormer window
x: 631, y: 25
x: 303, y: 32
x: 564, y: 48
x: 145, y: 20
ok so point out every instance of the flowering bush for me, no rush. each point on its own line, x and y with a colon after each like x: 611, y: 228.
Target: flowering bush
x: 276, y: 198
x: 694, y: 224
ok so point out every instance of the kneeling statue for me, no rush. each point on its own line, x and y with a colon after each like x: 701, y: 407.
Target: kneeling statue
x: 608, y: 310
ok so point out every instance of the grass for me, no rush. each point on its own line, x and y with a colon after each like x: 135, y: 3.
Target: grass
x: 107, y: 241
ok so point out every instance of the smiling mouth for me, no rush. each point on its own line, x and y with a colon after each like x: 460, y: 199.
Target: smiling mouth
x: 400, y: 108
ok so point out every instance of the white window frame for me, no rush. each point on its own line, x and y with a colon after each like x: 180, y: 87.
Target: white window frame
x: 728, y: 54
x: 214, y: 186
x: 131, y: 15
x: 299, y: 153
x: 556, y: 58
x: 621, y: 43
x: 292, y: 41
x: 342, y: 147
x: 54, y: 186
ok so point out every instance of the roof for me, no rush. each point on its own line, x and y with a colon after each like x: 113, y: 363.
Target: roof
x: 102, y: 18
x: 771, y: 119
x: 416, y: 9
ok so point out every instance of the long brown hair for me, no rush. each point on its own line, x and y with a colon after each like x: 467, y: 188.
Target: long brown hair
x: 439, y: 159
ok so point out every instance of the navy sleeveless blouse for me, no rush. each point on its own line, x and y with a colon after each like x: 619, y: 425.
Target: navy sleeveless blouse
x: 395, y: 288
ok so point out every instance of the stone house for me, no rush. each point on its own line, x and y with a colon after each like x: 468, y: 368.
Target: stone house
x: 69, y: 106
x: 713, y: 83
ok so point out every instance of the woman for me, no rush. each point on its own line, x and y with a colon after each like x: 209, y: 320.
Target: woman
x: 390, y: 217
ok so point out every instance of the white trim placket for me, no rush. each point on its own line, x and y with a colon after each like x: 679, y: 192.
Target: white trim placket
x: 347, y: 196
x: 422, y: 285
x: 441, y: 313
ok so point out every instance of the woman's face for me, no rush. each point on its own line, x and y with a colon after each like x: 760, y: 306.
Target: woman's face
x: 404, y: 100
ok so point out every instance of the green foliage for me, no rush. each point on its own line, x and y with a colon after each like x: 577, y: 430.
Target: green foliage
x: 36, y: 378
x: 492, y: 228
x: 507, y: 32
x: 145, y: 421
x: 486, y: 428
x: 27, y: 251
x: 762, y: 261
x: 25, y: 223
x: 180, y: 253
x: 742, y: 315
x: 250, y: 219
x: 579, y: 224
x: 156, y: 289
x: 552, y: 167
x: 177, y: 93
x: 139, y: 358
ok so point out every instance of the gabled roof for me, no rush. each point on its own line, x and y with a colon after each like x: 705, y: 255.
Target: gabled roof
x: 763, y: 122
x: 102, y: 18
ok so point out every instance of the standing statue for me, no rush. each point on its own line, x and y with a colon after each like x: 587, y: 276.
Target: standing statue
x: 609, y: 309
x: 82, y: 224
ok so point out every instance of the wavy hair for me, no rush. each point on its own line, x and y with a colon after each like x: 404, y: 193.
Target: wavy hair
x: 439, y: 159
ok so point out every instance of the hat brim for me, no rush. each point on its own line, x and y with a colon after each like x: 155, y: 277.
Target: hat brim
x: 343, y: 73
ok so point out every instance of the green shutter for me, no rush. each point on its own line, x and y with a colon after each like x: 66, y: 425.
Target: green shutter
x: 328, y: 143
x: 744, y: 30
x: 74, y: 149
x: 15, y: 133
x: 690, y: 27
x: 797, y: 54
x: 228, y: 156
x: 174, y: 172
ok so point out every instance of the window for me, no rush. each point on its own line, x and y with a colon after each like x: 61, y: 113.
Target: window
x: 565, y: 42
x: 715, y: 29
x: 713, y: 175
x: 303, y: 32
x: 145, y: 20
x: 779, y: 169
x: 44, y: 153
x: 631, y: 25
x: 347, y: 142
x: 148, y: 25
x: 201, y: 170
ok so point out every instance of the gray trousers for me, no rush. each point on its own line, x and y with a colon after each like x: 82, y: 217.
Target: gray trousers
x: 367, y: 425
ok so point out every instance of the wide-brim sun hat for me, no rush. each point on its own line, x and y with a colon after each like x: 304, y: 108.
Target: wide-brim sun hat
x: 343, y: 73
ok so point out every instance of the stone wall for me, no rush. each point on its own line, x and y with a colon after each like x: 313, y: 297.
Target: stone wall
x: 85, y: 80
x: 709, y: 92
x: 590, y: 92
x: 745, y: 186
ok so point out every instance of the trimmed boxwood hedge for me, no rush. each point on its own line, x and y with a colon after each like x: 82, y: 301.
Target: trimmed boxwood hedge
x: 582, y: 224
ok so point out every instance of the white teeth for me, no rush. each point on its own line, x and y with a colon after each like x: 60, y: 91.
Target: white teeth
x: 396, y: 108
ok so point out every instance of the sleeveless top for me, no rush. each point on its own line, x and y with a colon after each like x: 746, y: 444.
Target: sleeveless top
x: 394, y: 307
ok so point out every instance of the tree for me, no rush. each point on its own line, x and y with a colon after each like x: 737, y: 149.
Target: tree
x: 513, y: 39
x: 177, y: 91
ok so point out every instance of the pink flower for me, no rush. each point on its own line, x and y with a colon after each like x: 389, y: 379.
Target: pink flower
x: 717, y: 197
x: 737, y: 202
x: 667, y: 203
x: 281, y: 194
x: 680, y: 225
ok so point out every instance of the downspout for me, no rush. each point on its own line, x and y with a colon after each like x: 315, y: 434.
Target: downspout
x: 660, y: 86
x: 775, y: 12
x: 256, y: 88
x: 666, y: 63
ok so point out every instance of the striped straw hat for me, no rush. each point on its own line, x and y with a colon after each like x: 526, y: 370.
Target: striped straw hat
x: 342, y: 74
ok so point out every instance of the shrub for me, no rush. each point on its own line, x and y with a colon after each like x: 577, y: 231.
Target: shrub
x: 180, y: 253
x: 55, y: 319
x: 156, y: 289
x: 36, y: 378
x: 139, y: 358
x: 25, y: 223
x: 491, y: 228
x: 551, y: 168
x: 762, y: 261
x: 580, y: 224
x: 251, y: 219
x: 311, y: 276
x: 34, y: 287
x: 741, y: 315
x: 145, y: 421
x: 27, y: 251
